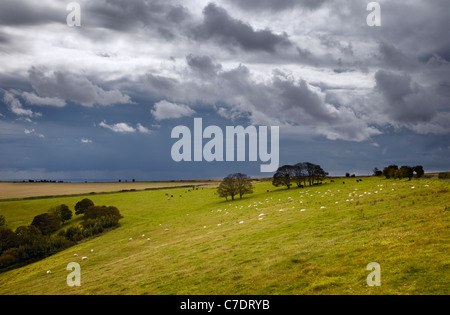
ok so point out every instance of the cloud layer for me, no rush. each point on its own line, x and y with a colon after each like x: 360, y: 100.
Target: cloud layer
x: 315, y: 68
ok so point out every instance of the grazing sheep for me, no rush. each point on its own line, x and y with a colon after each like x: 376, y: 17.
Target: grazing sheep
x: 49, y: 272
x: 92, y: 250
x: 130, y: 239
x: 75, y: 255
x: 148, y: 240
x: 84, y: 258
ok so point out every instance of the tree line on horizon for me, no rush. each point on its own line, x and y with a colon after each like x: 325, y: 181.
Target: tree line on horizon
x: 393, y: 171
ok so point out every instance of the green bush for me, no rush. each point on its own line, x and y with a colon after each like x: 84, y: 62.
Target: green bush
x: 444, y: 175
x: 74, y: 234
x: 112, y: 215
x: 7, y: 260
x: 62, y: 212
x: 47, y: 223
x: 83, y: 205
x: 8, y: 239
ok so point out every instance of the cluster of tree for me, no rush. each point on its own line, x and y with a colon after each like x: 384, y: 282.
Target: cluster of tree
x: 393, y: 171
x: 35, y: 242
x: 235, y: 185
x: 28, y: 244
x: 299, y: 174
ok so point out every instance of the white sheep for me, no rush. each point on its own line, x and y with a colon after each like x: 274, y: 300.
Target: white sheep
x: 49, y: 272
x: 84, y: 258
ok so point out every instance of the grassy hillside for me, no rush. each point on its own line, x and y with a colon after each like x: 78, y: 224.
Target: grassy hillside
x: 316, y: 240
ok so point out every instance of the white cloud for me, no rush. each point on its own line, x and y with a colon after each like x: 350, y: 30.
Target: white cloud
x: 33, y: 132
x: 143, y: 129
x: 86, y: 141
x: 119, y: 127
x: 125, y: 128
x: 166, y: 110
x: 15, y: 106
x: 33, y: 99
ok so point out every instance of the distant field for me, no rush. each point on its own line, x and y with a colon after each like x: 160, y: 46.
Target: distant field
x: 18, y: 190
x: 316, y: 240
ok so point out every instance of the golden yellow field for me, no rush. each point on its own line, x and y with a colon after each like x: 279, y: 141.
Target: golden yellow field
x: 20, y: 190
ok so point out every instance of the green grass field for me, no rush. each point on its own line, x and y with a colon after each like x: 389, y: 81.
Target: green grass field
x: 316, y: 240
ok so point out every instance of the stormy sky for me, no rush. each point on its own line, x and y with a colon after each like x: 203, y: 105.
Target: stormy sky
x: 99, y: 101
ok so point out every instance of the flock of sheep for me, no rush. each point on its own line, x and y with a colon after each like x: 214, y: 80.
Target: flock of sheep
x: 269, y: 203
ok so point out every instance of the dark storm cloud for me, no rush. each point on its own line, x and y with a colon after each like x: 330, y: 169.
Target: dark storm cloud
x: 4, y: 39
x: 331, y: 43
x: 391, y: 57
x: 17, y: 13
x: 279, y: 100
x: 160, y: 86
x: 419, y: 27
x: 278, y: 5
x: 160, y: 17
x: 406, y: 100
x: 219, y: 26
x: 203, y: 65
x: 72, y: 87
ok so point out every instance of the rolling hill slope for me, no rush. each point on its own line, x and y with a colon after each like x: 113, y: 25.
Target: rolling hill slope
x: 316, y: 240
